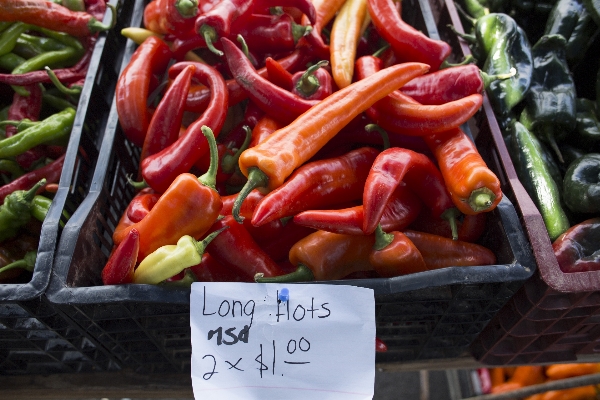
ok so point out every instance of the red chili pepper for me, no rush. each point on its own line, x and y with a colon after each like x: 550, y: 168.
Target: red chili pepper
x: 578, y: 249
x: 189, y: 206
x: 96, y: 8
x: 51, y: 172
x: 400, y: 211
x: 470, y: 227
x: 119, y: 268
x: 165, y: 124
x: 396, y: 165
x: 278, y: 75
x: 170, y: 16
x: 248, y: 207
x: 211, y: 270
x: 400, y: 114
x: 318, y: 184
x: 133, y: 85
x: 264, y: 128
x: 441, y: 252
x: 394, y: 254
x: 315, y: 83
x: 160, y: 170
x: 306, y: 7
x: 271, y: 34
x: 380, y: 346
x: 273, y: 100
x: 278, y: 248
x: 474, y: 188
x: 237, y: 136
x: 408, y: 43
x: 141, y: 205
x: 235, y: 248
x: 54, y: 16
x: 199, y: 95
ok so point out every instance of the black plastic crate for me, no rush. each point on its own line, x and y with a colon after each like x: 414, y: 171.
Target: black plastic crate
x: 429, y: 315
x: 34, y: 336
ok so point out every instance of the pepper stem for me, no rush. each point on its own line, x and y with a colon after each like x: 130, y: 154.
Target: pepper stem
x: 301, y: 274
x: 308, y: 82
x: 299, y: 31
x: 30, y: 194
x: 138, y: 185
x: 27, y: 262
x: 481, y: 199
x: 382, y: 132
x: 229, y: 161
x: 210, y: 36
x: 72, y: 91
x: 488, y: 79
x: 471, y: 39
x: 256, y: 178
x: 187, y: 8
x: 451, y: 215
x: 210, y: 177
x: 202, y: 244
x: 381, y: 50
x: 97, y: 26
x: 469, y: 59
x: 549, y: 137
x: 382, y: 239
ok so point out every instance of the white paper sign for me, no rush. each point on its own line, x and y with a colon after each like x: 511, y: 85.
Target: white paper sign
x: 320, y: 344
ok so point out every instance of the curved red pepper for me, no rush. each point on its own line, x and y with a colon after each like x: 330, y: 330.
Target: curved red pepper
x: 248, y: 206
x: 318, y: 184
x: 120, y: 266
x: 51, y: 172
x: 278, y: 75
x: 133, y: 85
x: 199, y: 95
x: 235, y: 248
x: 400, y: 211
x: 272, y: 99
x: 396, y: 165
x: 166, y: 120
x: 160, y: 170
x: 263, y: 129
x: 408, y: 43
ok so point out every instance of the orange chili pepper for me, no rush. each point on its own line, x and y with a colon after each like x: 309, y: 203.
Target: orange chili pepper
x: 394, y: 254
x: 474, y: 188
x: 579, y: 393
x: 497, y: 376
x: 343, y: 40
x: 524, y: 375
x: 190, y: 206
x: 562, y: 371
x: 267, y: 165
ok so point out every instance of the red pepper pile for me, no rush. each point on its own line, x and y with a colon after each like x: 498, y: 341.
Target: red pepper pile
x: 45, y: 50
x: 301, y: 178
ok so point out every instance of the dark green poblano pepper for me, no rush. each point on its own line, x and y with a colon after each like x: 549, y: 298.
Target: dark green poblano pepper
x: 582, y: 184
x: 571, y: 19
x: 506, y: 47
x: 587, y: 129
x: 15, y: 212
x: 550, y: 110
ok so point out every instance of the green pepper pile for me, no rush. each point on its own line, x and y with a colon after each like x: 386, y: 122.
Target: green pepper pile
x: 549, y: 111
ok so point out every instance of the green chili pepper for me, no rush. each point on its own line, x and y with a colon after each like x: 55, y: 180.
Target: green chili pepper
x: 57, y: 102
x: 30, y: 46
x: 26, y: 263
x: 550, y: 111
x: 40, y: 206
x: 526, y: 154
x: 74, y: 5
x: 169, y: 260
x: 12, y: 167
x: 8, y: 38
x: 16, y: 210
x: 582, y: 184
x: 3, y: 117
x: 51, y: 130
x: 10, y: 61
x: 505, y: 46
x: 4, y: 25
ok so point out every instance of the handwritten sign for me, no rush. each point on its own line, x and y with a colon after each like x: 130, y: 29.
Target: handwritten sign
x: 276, y: 341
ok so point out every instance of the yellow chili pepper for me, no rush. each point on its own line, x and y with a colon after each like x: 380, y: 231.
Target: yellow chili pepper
x: 138, y: 35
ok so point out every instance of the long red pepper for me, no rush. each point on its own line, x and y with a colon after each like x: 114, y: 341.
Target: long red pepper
x: 400, y: 114
x: 474, y: 187
x: 162, y: 168
x: 268, y: 164
x: 170, y: 16
x: 133, y: 86
x: 211, y: 270
x: 263, y: 129
x: 165, y: 124
x: 235, y: 248
x: 199, y: 95
x: 189, y: 206
x: 119, y: 268
x: 394, y: 254
x: 277, y: 74
x: 278, y: 249
x: 273, y: 100
x: 396, y: 165
x: 54, y: 16
x: 51, y: 172
x: 318, y: 184
x: 409, y: 44
x: 441, y: 252
x: 401, y: 210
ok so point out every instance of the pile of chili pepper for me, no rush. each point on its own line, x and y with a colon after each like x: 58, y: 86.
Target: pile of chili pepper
x: 45, y: 50
x: 549, y: 111
x: 297, y: 140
